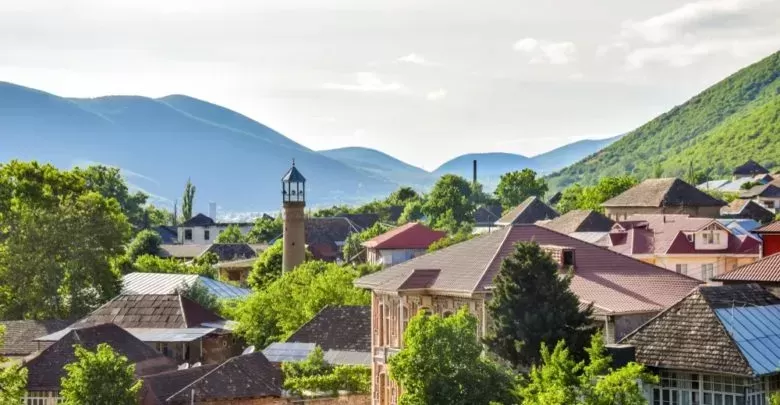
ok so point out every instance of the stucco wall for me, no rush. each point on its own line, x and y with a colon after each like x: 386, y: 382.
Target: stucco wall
x: 198, y: 233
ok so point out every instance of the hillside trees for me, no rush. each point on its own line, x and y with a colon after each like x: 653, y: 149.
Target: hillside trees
x: 532, y: 305
x: 100, y: 377
x: 187, y: 200
x: 57, y: 242
x: 515, y: 187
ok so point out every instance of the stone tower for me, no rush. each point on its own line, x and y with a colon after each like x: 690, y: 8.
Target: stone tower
x: 293, y: 203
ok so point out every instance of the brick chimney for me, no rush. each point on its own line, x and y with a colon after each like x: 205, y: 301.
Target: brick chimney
x: 562, y: 255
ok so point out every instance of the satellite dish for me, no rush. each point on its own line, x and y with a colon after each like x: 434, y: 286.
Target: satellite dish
x: 248, y: 350
x: 196, y: 364
x: 184, y: 366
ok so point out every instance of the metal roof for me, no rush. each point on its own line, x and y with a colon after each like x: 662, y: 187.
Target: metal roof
x: 162, y: 283
x: 293, y: 175
x: 147, y: 334
x: 756, y: 332
x: 292, y: 351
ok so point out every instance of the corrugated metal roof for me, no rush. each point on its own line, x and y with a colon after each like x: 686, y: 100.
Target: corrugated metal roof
x: 756, y: 331
x: 162, y: 283
x: 348, y: 358
x: 147, y: 334
x: 292, y: 351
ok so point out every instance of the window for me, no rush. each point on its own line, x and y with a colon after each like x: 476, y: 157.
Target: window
x: 206, y: 234
x: 188, y: 234
x: 568, y: 258
x: 707, y: 271
x: 682, y: 268
x: 711, y: 238
x: 691, y: 237
x: 769, y: 204
x: 234, y: 275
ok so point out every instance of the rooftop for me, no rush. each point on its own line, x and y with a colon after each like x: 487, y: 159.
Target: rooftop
x: 764, y: 270
x: 346, y: 328
x: 168, y: 311
x: 750, y: 168
x: 199, y: 220
x: 580, y: 221
x: 19, y: 338
x: 165, y: 284
x: 413, y: 235
x: 531, y: 210
x: 774, y: 227
x: 667, y: 192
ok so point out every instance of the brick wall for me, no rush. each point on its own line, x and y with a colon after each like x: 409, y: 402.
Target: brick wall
x: 341, y: 400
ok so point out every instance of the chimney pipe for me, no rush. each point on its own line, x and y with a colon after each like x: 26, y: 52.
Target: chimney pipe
x: 474, y: 178
x: 213, y: 210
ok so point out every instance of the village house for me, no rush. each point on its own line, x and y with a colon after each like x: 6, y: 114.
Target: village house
x: 586, y: 225
x: 171, y: 323
x: 718, y: 345
x: 698, y: 247
x: 19, y: 338
x: 530, y: 211
x: 201, y: 229
x: 401, y: 244
x: 623, y: 292
x: 749, y: 209
x: 46, y: 369
x: 485, y: 217
x: 764, y: 272
x: 770, y: 235
x: 223, y: 251
x: 749, y: 169
x: 768, y: 195
x: 663, y: 196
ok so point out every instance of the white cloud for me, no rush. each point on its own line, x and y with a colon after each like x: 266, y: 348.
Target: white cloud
x: 414, y: 59
x: 554, y: 53
x: 437, y: 94
x: 366, y: 81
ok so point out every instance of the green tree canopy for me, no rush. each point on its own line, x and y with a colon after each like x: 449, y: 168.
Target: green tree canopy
x: 57, y: 242
x: 532, y: 304
x: 155, y: 264
x: 265, y: 230
x: 314, y: 375
x: 353, y: 243
x: 515, y: 187
x: 412, y: 212
x: 403, y: 196
x: 146, y: 242
x: 272, y: 314
x: 100, y: 377
x: 442, y: 363
x: 450, y: 193
x: 108, y: 182
x: 268, y: 266
x: 154, y: 216
x: 200, y: 294
x: 591, y: 197
x: 13, y: 379
x: 188, y: 200
x: 231, y: 234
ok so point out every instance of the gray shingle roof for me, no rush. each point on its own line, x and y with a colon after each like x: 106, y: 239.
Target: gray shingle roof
x: 338, y: 328
x: 528, y: 212
x: 668, y: 192
x: 199, y: 220
x: 750, y: 167
x: 20, y: 335
x: 580, y: 221
x: 294, y: 175
x: 150, y: 311
x: 231, y: 251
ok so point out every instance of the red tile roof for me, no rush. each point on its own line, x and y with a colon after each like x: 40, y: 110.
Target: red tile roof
x: 413, y: 235
x: 766, y: 269
x: 774, y: 227
x: 614, y: 283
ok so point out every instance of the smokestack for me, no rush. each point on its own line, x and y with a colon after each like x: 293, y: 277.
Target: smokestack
x: 213, y: 210
x: 474, y: 179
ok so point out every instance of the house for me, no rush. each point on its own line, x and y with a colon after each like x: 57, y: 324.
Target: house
x: 485, y: 217
x: 46, y: 369
x: 663, y: 196
x: 749, y: 169
x: 325, y: 236
x: 223, y: 251
x: 734, y: 185
x: 530, y: 211
x: 764, y: 272
x: 165, y: 284
x: 401, y: 244
x: 246, y: 379
x: 235, y: 270
x: 749, y: 209
x: 19, y: 339
x: 718, y: 345
x: 767, y: 195
x: 362, y: 221
x: 579, y: 221
x: 697, y: 247
x: 770, y: 235
x: 172, y: 324
x: 624, y: 292
x: 202, y: 229
x: 168, y: 234
x: 342, y: 332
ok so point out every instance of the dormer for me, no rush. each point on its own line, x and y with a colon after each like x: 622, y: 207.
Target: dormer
x: 562, y: 255
x: 711, y: 237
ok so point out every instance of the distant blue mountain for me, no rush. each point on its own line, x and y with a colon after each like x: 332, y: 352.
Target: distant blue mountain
x: 566, y: 155
x: 490, y: 166
x: 382, y: 164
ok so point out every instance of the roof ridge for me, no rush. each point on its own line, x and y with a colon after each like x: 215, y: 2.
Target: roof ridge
x: 201, y: 377
x: 495, y: 255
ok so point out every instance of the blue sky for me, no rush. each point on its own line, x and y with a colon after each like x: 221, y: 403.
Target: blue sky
x: 423, y: 80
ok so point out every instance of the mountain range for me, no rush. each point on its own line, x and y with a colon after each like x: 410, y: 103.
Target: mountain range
x: 732, y: 121
x: 232, y: 159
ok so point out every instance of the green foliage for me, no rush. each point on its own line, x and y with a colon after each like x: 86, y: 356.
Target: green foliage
x: 200, y: 294
x: 449, y: 200
x: 268, y: 266
x: 187, y: 201
x: 57, y: 242
x: 560, y: 380
x: 719, y: 129
x: 412, y: 212
x: 154, y: 216
x: 154, y: 264
x: 272, y: 314
x: 364, y: 269
x: 231, y: 234
x: 591, y: 197
x: 314, y: 376
x: 353, y: 244
x: 442, y: 363
x: 774, y: 399
x: 403, y: 196
x: 13, y: 379
x: 723, y: 195
x: 265, y: 230
x: 533, y: 305
x: 108, y: 182
x: 450, y: 240
x: 146, y: 242
x: 515, y: 187
x: 100, y: 377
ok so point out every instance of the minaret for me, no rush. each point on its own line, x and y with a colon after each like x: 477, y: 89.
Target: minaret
x: 293, y: 203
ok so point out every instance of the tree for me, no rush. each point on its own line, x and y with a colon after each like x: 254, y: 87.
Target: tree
x: 265, y: 229
x: 532, y: 304
x: 442, y: 363
x: 450, y: 240
x: 314, y: 375
x: 403, y: 196
x: 515, y: 187
x: 108, y: 182
x: 188, y: 200
x: 570, y: 199
x: 13, y: 379
x: 560, y: 380
x: 412, y: 212
x: 268, y: 266
x: 274, y: 313
x: 591, y: 197
x: 353, y: 245
x: 57, y: 242
x: 100, y: 377
x: 154, y: 264
x: 199, y: 293
x: 146, y: 242
x: 450, y: 193
x: 231, y: 234
x: 154, y: 216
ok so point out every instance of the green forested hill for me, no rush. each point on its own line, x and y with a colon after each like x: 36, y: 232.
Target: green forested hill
x: 730, y: 122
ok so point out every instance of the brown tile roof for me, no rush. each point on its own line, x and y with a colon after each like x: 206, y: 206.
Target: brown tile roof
x: 46, y: 368
x: 668, y: 192
x: 338, y: 328
x: 613, y: 282
x: 322, y: 235
x: 20, y: 335
x: 750, y: 168
x: 689, y: 335
x: 774, y: 227
x: 580, y: 221
x: 748, y: 209
x: 249, y: 376
x: 413, y: 235
x: 764, y: 270
x: 769, y: 190
x: 151, y: 311
x: 232, y: 251
x: 163, y: 385
x: 528, y: 212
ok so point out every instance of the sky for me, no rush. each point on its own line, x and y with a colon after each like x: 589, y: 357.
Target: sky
x: 422, y: 80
